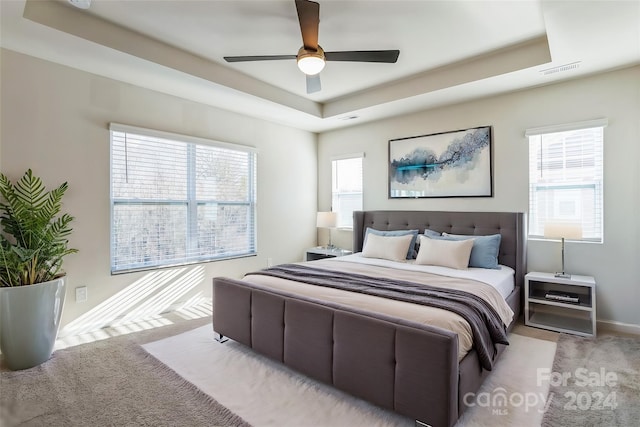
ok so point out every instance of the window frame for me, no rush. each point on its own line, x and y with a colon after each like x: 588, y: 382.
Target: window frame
x: 349, y: 224
x: 192, y: 202
x: 560, y: 184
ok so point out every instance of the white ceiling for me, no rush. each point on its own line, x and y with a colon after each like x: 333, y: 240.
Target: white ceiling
x: 450, y: 51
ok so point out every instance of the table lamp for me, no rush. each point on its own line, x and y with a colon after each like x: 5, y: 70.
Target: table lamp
x: 327, y: 220
x: 562, y: 230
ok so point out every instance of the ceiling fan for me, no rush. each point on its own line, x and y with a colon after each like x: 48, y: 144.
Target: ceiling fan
x: 311, y: 57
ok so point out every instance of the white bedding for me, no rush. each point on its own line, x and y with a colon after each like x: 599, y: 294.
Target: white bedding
x: 466, y: 280
x: 503, y: 280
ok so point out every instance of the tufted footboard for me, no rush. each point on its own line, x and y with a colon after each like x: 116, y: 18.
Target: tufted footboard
x: 403, y: 366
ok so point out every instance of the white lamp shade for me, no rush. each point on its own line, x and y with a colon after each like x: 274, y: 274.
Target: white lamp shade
x: 326, y: 219
x: 558, y: 230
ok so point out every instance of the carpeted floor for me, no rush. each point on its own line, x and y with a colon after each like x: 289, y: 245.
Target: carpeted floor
x: 595, y: 382
x: 116, y: 382
x: 108, y: 383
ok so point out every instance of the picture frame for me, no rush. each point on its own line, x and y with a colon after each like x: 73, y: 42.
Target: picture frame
x: 447, y: 164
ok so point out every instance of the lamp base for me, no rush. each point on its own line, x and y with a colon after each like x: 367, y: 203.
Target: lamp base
x: 563, y: 275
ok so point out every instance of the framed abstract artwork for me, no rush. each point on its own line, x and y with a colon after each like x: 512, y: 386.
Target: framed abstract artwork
x: 447, y: 164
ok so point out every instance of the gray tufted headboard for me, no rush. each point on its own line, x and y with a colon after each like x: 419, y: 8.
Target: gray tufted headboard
x: 511, y: 225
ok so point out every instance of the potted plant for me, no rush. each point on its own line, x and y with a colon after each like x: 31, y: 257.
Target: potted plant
x: 33, y: 243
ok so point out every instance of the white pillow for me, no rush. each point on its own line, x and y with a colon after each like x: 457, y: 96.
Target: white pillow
x: 445, y: 253
x: 393, y: 248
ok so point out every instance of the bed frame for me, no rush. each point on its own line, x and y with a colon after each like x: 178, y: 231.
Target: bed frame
x: 400, y: 365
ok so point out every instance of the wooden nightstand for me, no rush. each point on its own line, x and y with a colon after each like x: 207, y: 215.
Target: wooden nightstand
x: 549, y: 303
x: 322, y: 253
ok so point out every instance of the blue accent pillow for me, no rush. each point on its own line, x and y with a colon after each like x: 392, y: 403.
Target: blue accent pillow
x: 431, y: 233
x: 412, y: 246
x: 484, y: 253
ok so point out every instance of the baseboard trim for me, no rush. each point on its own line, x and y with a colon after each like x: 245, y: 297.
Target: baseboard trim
x: 613, y: 326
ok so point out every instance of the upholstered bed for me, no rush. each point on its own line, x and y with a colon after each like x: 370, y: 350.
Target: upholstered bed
x: 410, y: 367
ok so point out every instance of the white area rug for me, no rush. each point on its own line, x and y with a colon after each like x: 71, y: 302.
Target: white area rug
x: 515, y: 393
x: 265, y: 393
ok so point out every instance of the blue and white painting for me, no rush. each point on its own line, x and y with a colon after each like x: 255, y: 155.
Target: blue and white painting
x: 449, y: 164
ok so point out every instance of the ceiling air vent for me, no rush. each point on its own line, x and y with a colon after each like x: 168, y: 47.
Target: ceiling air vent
x: 561, y: 68
x: 82, y: 4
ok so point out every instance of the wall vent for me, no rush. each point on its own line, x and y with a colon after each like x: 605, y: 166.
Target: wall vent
x: 82, y: 4
x: 561, y: 68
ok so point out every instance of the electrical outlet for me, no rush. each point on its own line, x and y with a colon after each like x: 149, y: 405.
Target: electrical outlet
x: 81, y: 294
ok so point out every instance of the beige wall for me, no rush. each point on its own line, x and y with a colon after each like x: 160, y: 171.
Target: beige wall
x: 615, y: 95
x: 55, y: 121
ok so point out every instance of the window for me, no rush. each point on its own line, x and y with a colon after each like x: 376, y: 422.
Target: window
x: 565, y: 177
x: 346, y: 184
x: 177, y: 199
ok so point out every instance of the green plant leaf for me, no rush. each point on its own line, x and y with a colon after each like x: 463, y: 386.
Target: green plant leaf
x: 34, y: 240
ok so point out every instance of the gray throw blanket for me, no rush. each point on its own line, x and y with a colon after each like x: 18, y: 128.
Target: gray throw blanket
x: 486, y: 326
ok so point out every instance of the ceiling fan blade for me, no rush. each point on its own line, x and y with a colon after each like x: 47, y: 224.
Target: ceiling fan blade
x: 257, y: 58
x: 388, y: 56
x: 309, y: 18
x: 313, y: 83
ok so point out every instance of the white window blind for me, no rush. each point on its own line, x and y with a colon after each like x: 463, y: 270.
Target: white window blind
x: 176, y: 199
x: 566, y: 178
x: 346, y: 184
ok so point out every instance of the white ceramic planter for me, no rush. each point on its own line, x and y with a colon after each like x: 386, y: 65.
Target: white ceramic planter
x: 29, y: 322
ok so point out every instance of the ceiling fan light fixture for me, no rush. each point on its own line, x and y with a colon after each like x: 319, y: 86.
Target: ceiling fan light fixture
x: 311, y: 62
